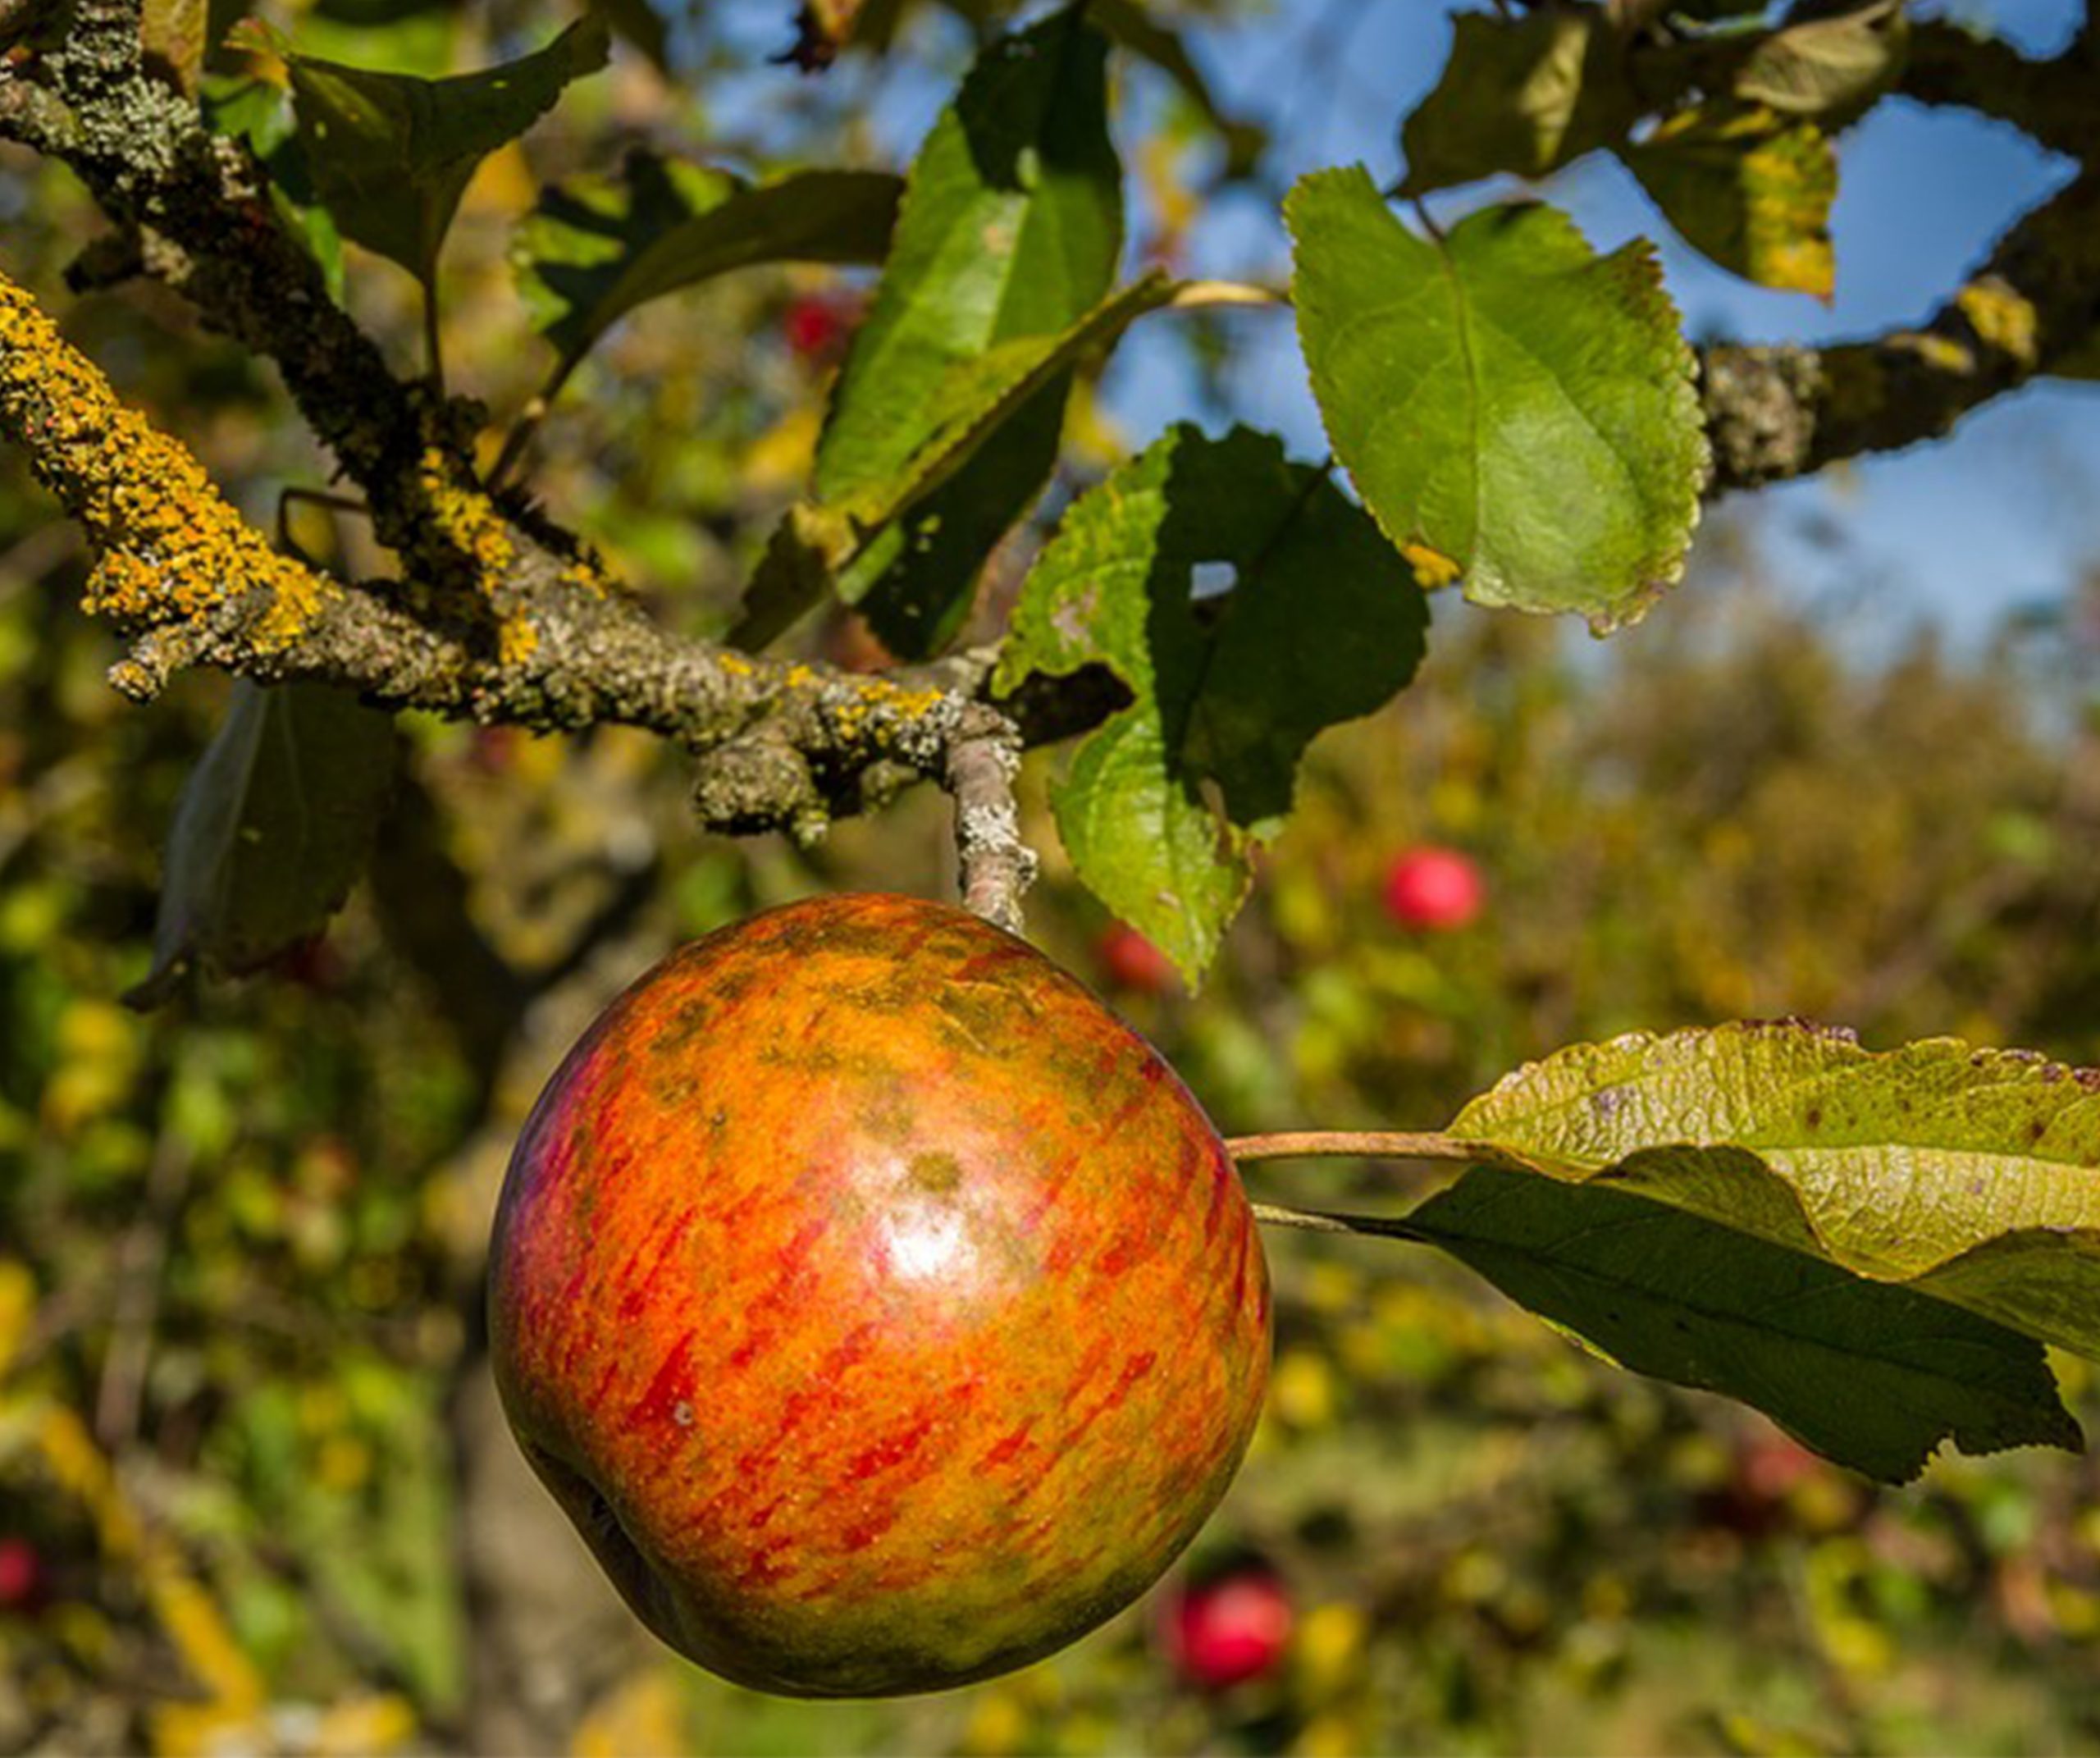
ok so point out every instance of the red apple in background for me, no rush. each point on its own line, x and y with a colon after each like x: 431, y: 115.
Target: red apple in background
x: 1431, y: 890
x: 881, y: 1309
x: 21, y: 1576
x: 815, y: 326
x: 1129, y: 961
x: 1225, y: 1632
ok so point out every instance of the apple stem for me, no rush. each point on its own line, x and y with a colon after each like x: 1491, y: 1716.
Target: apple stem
x: 1362, y: 1144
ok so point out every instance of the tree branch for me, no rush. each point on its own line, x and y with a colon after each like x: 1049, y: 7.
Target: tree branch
x: 177, y: 567
x: 1774, y: 412
x: 997, y: 867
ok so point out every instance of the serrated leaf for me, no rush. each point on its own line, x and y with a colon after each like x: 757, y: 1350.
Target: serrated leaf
x: 596, y: 248
x: 1871, y: 1375
x: 1009, y: 231
x: 1504, y: 398
x: 1525, y: 94
x: 274, y: 826
x: 1970, y: 1175
x: 1748, y: 190
x: 391, y: 154
x: 1162, y: 804
x: 1831, y: 70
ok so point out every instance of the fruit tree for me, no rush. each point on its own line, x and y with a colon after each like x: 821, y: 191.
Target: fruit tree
x: 615, y: 389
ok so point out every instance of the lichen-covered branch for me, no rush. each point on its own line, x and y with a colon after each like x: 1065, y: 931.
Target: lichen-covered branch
x: 177, y: 569
x: 1778, y: 412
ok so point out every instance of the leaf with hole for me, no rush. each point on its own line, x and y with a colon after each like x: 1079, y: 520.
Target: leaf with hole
x: 1208, y: 575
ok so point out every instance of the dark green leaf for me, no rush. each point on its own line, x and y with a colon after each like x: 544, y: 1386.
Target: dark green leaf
x: 273, y: 829
x: 1873, y: 1376
x: 391, y: 154
x: 1749, y: 189
x: 596, y: 248
x: 1161, y: 805
x: 1524, y: 94
x: 1511, y: 406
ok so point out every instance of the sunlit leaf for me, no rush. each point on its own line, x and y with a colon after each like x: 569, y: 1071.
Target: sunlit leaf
x: 1524, y: 94
x: 1970, y: 1176
x: 1207, y: 575
x: 1503, y: 398
x: 1749, y: 190
x: 1830, y: 69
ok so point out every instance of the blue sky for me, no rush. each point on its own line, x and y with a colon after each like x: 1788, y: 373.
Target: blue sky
x: 2004, y: 513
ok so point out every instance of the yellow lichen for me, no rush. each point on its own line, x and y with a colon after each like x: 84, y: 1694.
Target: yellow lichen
x: 1432, y: 568
x: 517, y: 641
x: 169, y: 546
x: 468, y: 521
x: 2000, y: 316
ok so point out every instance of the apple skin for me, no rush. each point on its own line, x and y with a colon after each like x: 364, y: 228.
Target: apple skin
x: 881, y: 1309
x: 1221, y: 1633
x: 1433, y: 890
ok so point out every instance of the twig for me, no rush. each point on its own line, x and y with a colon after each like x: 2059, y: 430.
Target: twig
x: 984, y: 756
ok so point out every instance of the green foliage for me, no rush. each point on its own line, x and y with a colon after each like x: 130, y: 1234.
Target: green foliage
x: 1509, y: 405
x: 1162, y: 807
x: 391, y: 154
x: 1965, y: 1174
x: 274, y: 827
x: 596, y: 248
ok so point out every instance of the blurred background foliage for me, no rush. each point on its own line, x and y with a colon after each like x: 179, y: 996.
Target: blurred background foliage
x: 253, y: 1493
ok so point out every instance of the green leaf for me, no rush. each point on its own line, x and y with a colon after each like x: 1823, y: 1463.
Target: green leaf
x: 391, y: 154
x: 1525, y: 94
x: 1970, y: 1175
x: 273, y: 827
x: 1162, y: 804
x: 1009, y: 234
x: 1872, y: 1376
x: 983, y: 402
x: 1831, y: 70
x: 1509, y: 404
x: 1747, y: 189
x: 596, y: 248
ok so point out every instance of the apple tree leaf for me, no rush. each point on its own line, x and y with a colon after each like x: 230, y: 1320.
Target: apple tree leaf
x: 596, y: 248
x: 1524, y: 94
x: 1829, y: 69
x: 1510, y: 405
x: 1207, y: 574
x: 1972, y: 1176
x: 392, y: 153
x: 173, y: 34
x: 274, y: 826
x: 255, y: 110
x: 1873, y: 1376
x: 1010, y: 232
x: 1747, y: 189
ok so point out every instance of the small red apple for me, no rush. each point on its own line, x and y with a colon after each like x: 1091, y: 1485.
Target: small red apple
x: 1431, y: 890
x: 881, y: 1309
x: 815, y: 326
x: 1129, y: 961
x: 1223, y: 1633
x: 21, y: 1576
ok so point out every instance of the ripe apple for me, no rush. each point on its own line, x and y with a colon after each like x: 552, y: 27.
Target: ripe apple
x: 1430, y: 889
x: 1225, y: 1632
x: 1129, y: 961
x: 21, y: 1576
x: 881, y: 1310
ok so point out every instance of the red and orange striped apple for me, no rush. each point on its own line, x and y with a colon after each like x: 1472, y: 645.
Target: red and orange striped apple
x: 881, y: 1310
